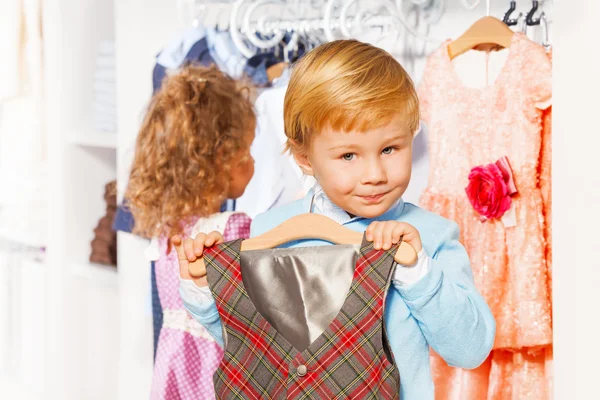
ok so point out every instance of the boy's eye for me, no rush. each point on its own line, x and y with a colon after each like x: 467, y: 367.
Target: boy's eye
x: 387, y: 150
x: 348, y: 156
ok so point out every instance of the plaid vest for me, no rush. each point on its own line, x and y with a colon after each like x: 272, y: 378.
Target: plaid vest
x: 347, y: 361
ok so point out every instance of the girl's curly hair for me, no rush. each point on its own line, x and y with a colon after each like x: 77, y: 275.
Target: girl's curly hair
x: 191, y: 136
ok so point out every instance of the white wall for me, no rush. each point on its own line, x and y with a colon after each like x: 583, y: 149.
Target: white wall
x: 80, y: 307
x: 576, y: 196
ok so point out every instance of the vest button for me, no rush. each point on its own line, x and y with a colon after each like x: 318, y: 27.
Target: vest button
x: 301, y: 370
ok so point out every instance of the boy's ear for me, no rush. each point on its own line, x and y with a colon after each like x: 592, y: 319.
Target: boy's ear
x: 301, y: 158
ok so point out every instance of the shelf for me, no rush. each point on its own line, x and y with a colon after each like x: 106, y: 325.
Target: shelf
x: 97, y: 274
x: 107, y: 140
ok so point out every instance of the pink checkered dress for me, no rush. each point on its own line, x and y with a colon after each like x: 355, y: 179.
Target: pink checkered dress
x: 347, y: 361
x: 187, y: 356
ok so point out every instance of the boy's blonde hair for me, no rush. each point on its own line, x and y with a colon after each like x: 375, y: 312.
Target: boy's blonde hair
x: 347, y: 85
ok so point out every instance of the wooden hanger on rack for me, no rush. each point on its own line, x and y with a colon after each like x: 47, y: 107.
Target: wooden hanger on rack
x: 487, y: 30
x: 308, y: 226
x: 276, y: 70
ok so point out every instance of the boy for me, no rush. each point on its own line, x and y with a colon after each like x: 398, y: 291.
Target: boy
x: 350, y: 114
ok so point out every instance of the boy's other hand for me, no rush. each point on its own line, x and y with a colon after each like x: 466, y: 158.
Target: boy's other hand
x: 385, y: 234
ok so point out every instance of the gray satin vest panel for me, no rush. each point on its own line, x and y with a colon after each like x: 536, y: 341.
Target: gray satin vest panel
x: 299, y: 291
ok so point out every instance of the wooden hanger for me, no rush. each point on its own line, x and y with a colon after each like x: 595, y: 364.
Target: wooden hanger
x: 276, y: 70
x: 487, y: 30
x: 308, y: 226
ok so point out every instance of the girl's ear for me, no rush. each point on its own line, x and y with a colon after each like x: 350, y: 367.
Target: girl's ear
x: 301, y: 158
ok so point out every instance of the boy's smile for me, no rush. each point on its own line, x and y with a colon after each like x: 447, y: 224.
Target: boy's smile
x: 374, y: 199
x: 364, y: 173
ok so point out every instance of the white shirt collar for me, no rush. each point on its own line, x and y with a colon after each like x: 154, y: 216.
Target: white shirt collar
x: 321, y: 204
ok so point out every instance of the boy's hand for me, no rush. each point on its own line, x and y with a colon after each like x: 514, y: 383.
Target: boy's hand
x: 384, y: 234
x: 189, y: 250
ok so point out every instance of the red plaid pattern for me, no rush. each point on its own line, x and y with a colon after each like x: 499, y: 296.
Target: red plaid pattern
x: 348, y: 360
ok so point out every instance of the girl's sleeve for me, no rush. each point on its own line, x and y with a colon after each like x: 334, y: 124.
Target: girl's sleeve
x: 198, y: 301
x: 238, y: 227
x: 201, y: 306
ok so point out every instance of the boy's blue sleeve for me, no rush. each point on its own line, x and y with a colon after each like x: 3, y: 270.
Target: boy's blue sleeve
x: 454, y: 318
x: 205, y: 312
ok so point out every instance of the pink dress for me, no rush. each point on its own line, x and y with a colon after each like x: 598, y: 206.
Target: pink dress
x: 468, y: 127
x: 187, y: 356
x: 546, y: 185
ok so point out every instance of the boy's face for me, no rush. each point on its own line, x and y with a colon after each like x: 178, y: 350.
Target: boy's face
x: 363, y: 173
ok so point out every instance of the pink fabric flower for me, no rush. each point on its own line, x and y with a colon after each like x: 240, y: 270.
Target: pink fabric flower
x: 490, y: 187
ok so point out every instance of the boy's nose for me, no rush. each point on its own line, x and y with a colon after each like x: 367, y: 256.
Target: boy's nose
x: 374, y: 173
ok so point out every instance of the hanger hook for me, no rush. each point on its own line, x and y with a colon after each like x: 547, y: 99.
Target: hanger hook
x: 521, y: 18
x: 545, y: 39
x: 507, y: 20
x: 530, y: 20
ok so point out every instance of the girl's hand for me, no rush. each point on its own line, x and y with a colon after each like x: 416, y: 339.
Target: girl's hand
x: 384, y: 234
x: 189, y: 250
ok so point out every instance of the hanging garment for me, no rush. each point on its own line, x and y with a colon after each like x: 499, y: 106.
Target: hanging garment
x: 225, y: 53
x: 277, y: 178
x: 256, y: 67
x: 546, y: 184
x: 202, y: 46
x: 187, y: 355
x: 546, y: 190
x: 191, y: 46
x: 296, y: 329
x: 470, y: 127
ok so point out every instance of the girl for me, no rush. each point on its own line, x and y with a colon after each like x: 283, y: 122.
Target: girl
x: 192, y: 153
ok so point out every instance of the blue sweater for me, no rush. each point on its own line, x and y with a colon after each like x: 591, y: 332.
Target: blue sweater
x: 443, y: 310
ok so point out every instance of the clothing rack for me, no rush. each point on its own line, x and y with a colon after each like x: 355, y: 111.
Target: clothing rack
x: 256, y: 25
x: 262, y: 24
